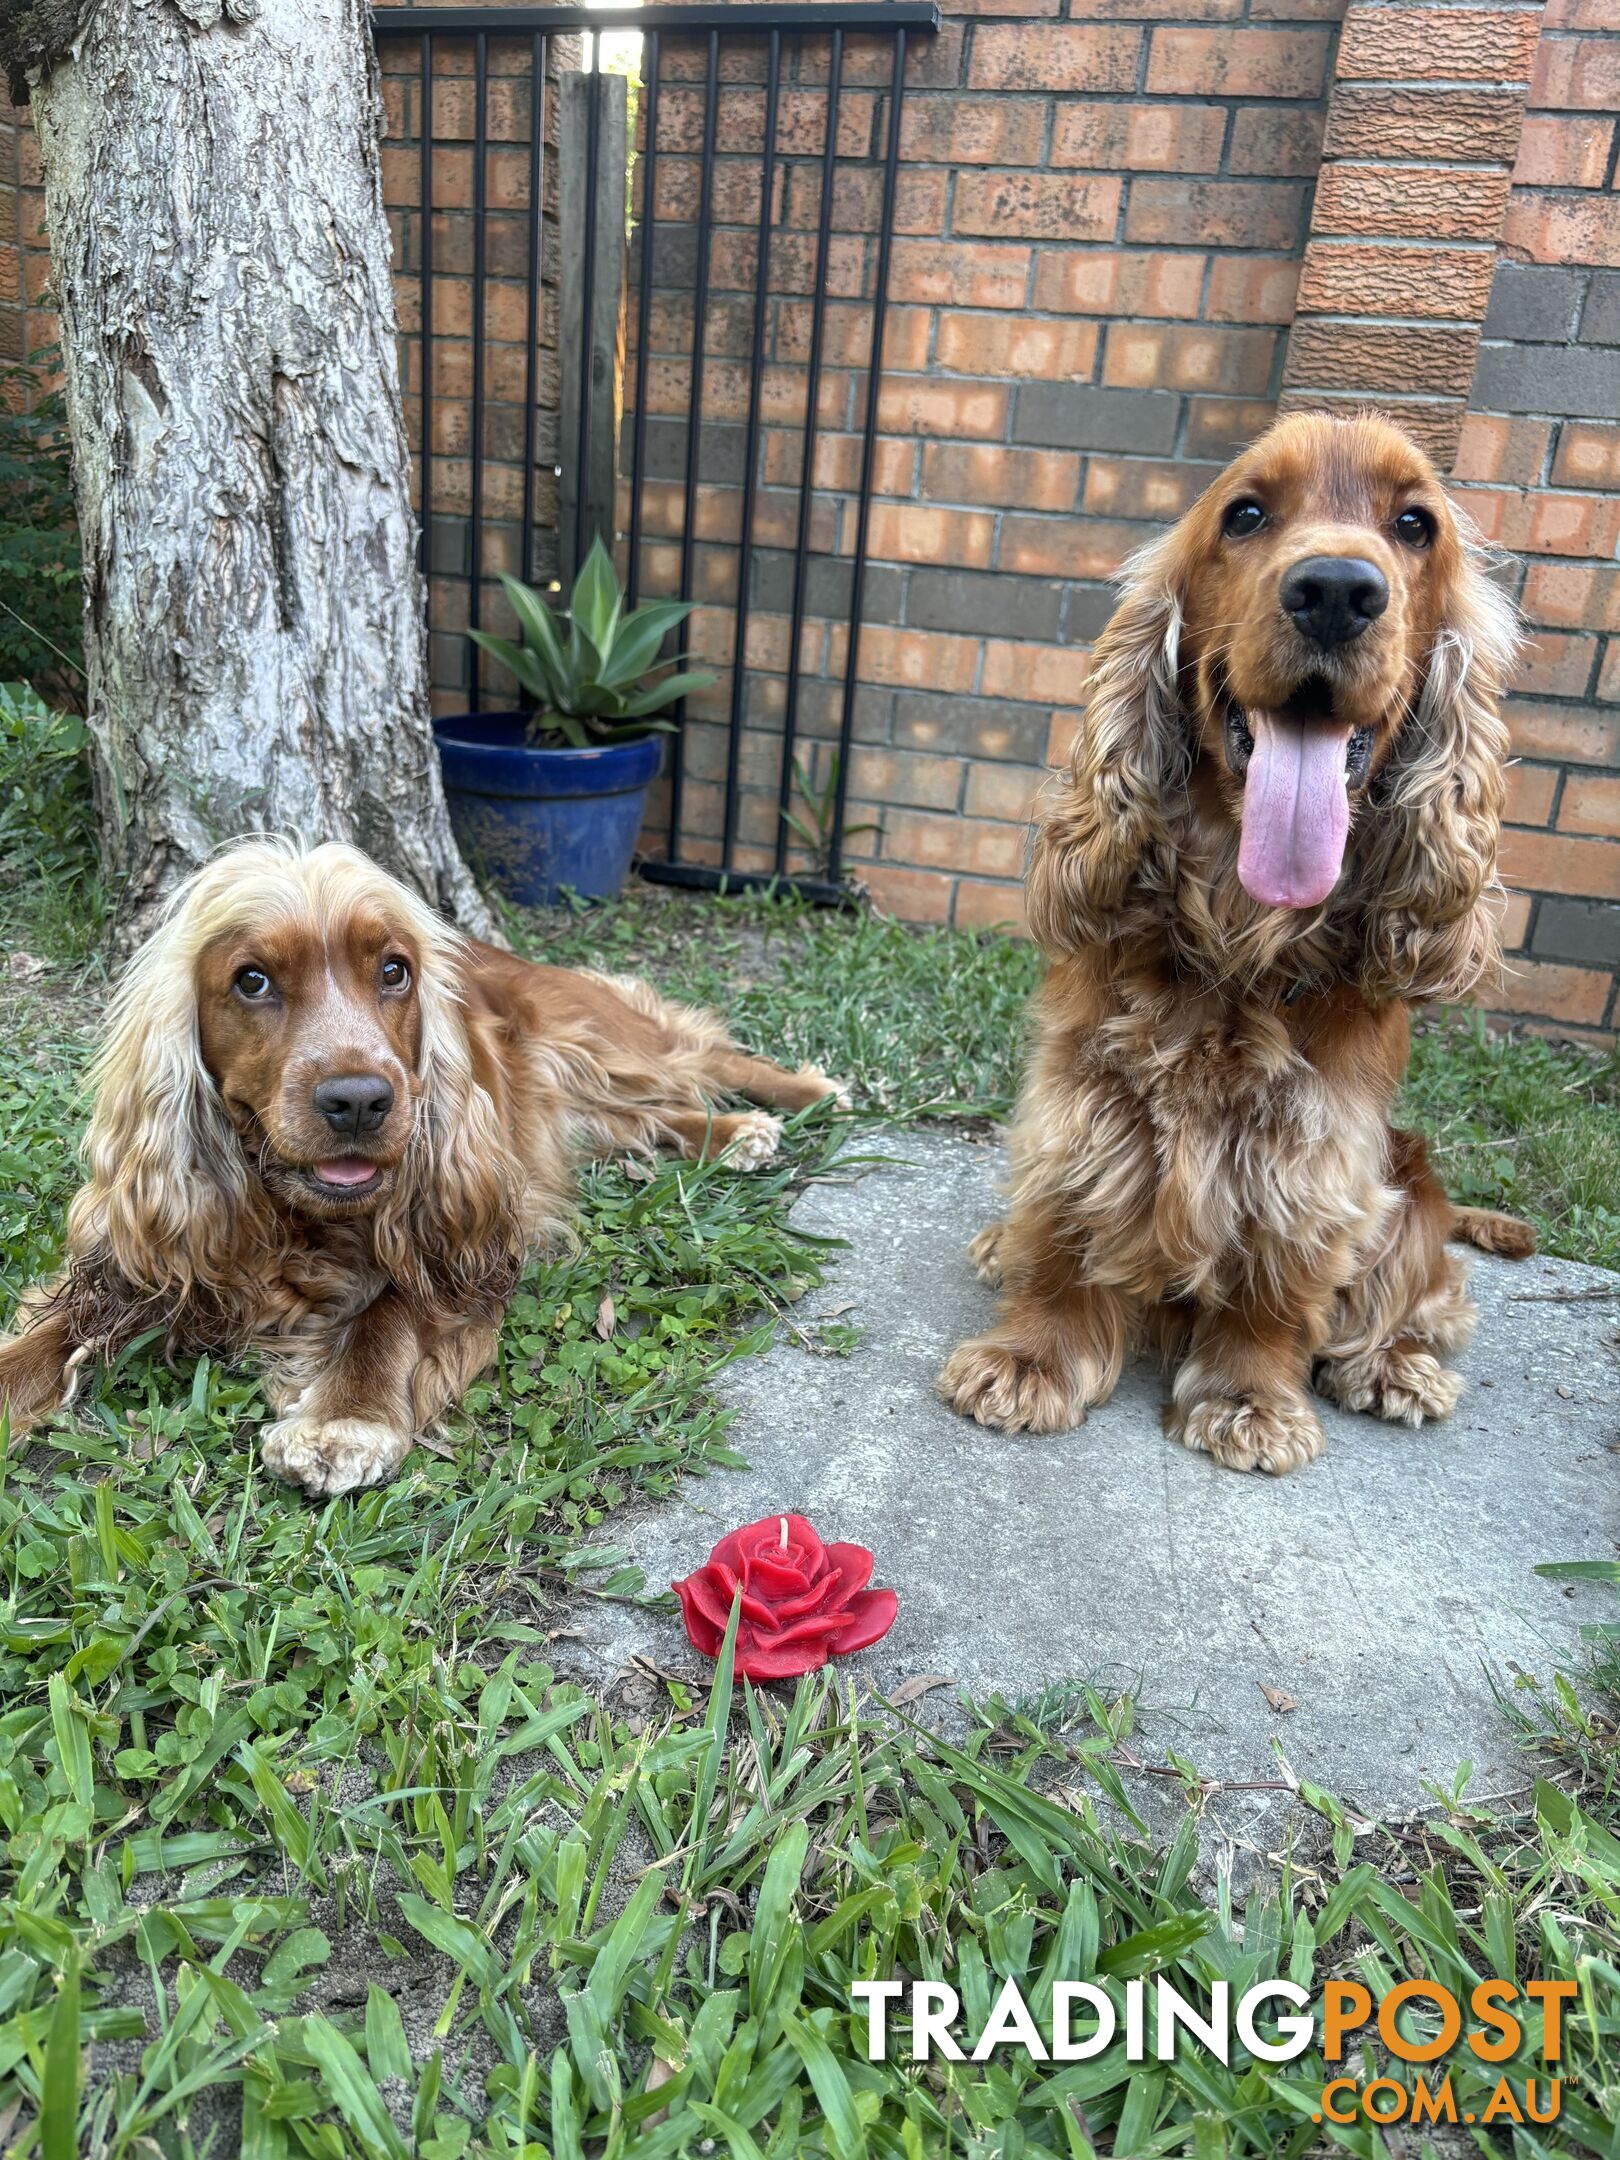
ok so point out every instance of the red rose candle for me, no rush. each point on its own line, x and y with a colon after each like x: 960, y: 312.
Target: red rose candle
x: 803, y: 1602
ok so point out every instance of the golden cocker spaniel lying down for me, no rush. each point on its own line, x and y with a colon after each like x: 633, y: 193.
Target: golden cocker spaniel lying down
x: 1276, y: 833
x: 328, y: 1128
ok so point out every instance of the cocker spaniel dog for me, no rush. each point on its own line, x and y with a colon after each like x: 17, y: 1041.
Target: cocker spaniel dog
x: 328, y: 1128
x: 1276, y: 833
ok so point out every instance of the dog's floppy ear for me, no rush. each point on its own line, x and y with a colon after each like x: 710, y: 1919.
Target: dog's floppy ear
x: 454, y: 1236
x: 1101, y: 819
x: 1430, y: 927
x: 168, y: 1204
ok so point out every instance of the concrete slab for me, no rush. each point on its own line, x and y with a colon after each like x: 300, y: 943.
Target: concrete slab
x: 1381, y: 1588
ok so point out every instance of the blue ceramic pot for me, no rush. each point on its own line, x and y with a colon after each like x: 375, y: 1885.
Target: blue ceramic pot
x: 532, y: 821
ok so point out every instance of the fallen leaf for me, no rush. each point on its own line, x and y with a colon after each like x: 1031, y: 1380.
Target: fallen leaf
x: 640, y: 1171
x: 25, y: 967
x: 1279, y: 1698
x: 1568, y: 1393
x: 919, y: 1684
x: 659, y: 2073
x: 605, y: 1315
x: 837, y: 1312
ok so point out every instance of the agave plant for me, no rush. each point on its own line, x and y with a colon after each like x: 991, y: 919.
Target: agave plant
x: 605, y: 679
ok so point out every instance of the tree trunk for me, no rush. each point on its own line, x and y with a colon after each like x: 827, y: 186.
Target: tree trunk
x: 255, y: 626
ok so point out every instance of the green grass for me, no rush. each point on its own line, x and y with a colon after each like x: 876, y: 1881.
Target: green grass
x: 310, y: 1851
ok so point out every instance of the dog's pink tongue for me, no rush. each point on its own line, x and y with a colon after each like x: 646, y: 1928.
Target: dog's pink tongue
x: 346, y: 1170
x: 1296, y: 810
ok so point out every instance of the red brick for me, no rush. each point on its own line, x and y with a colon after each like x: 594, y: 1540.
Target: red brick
x: 1061, y: 736
x: 953, y: 273
x: 919, y: 896
x: 1067, y: 547
x: 974, y: 473
x: 954, y: 843
x: 1046, y: 674
x: 1116, y: 282
x: 1563, y: 152
x: 1016, y: 346
x: 1153, y: 356
x: 918, y: 659
x: 1547, y: 862
x: 1220, y: 427
x: 1410, y: 201
x: 1591, y: 804
x: 909, y: 777
x: 1276, y: 142
x: 1576, y: 74
x: 974, y: 131
x: 1588, y: 454
x: 1572, y: 734
x: 1396, y: 44
x: 1217, y: 213
x: 1071, y: 56
x: 1562, y: 993
x: 919, y: 532
x: 1383, y: 357
x: 1572, y: 596
x: 928, y: 405
x: 1557, y: 665
x: 1575, y: 525
x: 1251, y: 290
x: 981, y: 905
x: 1344, y: 278
x: 1139, y: 487
x: 1563, y: 228
x: 1139, y: 137
x: 1582, y: 15
x: 1515, y: 921
x: 1238, y: 63
x: 1530, y: 791
x: 1049, y: 206
x: 1497, y: 447
x: 1474, y: 126
x: 1002, y: 791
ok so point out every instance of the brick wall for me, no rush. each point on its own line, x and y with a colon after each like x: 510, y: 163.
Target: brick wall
x: 1126, y: 231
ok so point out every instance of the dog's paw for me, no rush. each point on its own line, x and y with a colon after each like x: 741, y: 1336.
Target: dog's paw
x: 754, y: 1141
x: 984, y: 1254
x: 335, y: 1455
x: 991, y: 1383
x: 826, y: 1085
x: 1248, y: 1434
x: 1403, y: 1386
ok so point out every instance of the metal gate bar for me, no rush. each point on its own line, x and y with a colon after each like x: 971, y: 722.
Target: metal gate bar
x: 770, y: 19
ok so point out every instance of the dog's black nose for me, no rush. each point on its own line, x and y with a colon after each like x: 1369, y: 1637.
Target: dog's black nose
x: 1332, y: 598
x: 354, y: 1103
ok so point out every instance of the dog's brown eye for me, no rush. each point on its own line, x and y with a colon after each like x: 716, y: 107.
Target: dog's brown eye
x: 253, y: 984
x: 395, y: 975
x: 1242, y: 519
x: 1415, y: 528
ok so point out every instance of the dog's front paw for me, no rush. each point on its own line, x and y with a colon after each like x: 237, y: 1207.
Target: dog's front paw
x: 984, y: 1254
x: 1250, y: 1433
x: 1403, y: 1386
x: 334, y: 1455
x: 994, y: 1384
x: 754, y: 1141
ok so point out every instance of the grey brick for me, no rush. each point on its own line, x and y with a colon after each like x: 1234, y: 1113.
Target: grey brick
x: 1577, y: 380
x: 1076, y: 416
x: 970, y: 727
x: 449, y: 546
x: 720, y: 451
x: 1600, y: 318
x: 1586, y: 930
x: 828, y: 582
x: 1088, y: 611
x: 985, y: 604
x: 1534, y: 303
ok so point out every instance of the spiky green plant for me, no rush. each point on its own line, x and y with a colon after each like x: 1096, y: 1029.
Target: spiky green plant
x: 606, y: 679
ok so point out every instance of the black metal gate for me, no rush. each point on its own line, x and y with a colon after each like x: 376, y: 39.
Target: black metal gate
x: 743, y: 436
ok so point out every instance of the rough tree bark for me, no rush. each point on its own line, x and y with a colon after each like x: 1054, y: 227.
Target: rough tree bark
x: 255, y: 623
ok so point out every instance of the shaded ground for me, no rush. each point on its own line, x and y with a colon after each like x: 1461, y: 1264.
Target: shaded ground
x: 1378, y: 1593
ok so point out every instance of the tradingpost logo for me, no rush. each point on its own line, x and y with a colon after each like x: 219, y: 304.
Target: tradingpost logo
x: 1275, y: 2021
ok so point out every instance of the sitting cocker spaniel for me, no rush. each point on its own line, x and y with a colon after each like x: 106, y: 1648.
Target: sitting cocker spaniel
x: 328, y: 1128
x: 1276, y: 833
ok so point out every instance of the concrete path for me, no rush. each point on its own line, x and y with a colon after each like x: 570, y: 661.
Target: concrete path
x: 1380, y: 1589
